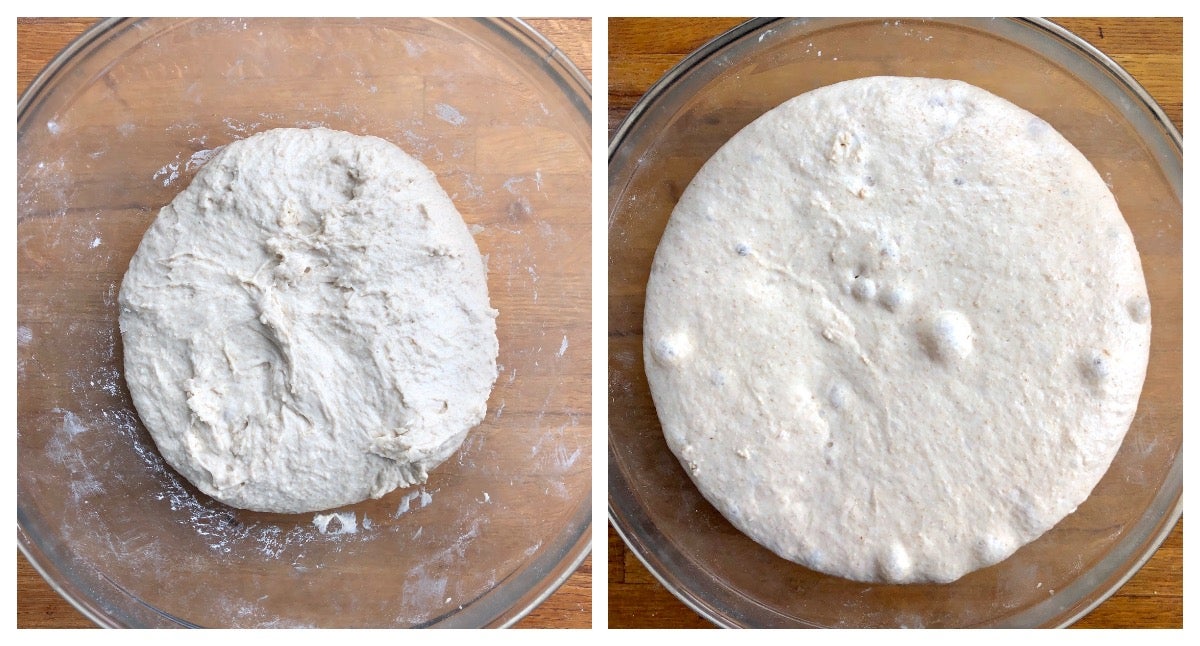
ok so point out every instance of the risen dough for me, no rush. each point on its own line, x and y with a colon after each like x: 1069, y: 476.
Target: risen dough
x: 307, y: 324
x: 896, y: 328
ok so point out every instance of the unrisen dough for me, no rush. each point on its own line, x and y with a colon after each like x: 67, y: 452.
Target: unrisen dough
x: 307, y: 325
x: 896, y: 328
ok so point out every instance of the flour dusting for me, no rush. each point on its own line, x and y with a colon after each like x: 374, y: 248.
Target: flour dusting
x: 71, y: 423
x: 414, y: 50
x: 199, y: 157
x: 413, y: 500
x: 511, y: 184
x: 240, y: 127
x: 170, y: 172
x: 336, y: 523
x: 447, y: 113
x: 63, y: 449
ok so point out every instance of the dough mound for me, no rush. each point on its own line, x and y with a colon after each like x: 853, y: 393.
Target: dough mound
x: 307, y: 325
x: 895, y: 329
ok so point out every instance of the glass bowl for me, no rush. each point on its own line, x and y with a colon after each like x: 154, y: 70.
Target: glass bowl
x: 111, y: 131
x: 700, y: 104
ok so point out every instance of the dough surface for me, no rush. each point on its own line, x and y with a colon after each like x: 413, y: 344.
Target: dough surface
x: 895, y: 329
x: 307, y: 324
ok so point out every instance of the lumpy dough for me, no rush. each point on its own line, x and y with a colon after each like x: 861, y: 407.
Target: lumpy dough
x: 307, y: 325
x: 895, y: 329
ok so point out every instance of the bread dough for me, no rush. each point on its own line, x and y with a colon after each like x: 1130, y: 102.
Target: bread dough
x: 307, y: 325
x: 896, y: 328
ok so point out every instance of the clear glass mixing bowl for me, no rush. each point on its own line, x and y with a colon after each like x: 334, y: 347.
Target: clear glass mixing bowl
x: 712, y: 94
x: 112, y: 130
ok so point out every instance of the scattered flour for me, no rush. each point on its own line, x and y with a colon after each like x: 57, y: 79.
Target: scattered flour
x: 336, y: 523
x: 447, y: 113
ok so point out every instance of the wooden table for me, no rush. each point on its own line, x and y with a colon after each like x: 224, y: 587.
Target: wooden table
x: 642, y: 50
x: 38, y: 605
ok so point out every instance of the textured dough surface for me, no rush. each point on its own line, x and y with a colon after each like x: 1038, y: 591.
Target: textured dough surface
x: 307, y: 324
x: 896, y: 328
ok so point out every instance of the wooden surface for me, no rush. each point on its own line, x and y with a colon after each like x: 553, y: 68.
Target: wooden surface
x: 642, y: 50
x: 38, y: 605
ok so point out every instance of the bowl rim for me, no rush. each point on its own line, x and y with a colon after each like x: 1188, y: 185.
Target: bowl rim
x: 711, y: 47
x: 1154, y: 536
x: 550, y: 58
x: 553, y: 62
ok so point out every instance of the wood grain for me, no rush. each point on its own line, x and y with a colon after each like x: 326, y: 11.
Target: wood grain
x: 38, y: 604
x: 641, y: 50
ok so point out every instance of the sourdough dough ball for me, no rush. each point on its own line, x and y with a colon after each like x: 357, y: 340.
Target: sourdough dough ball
x: 895, y: 329
x: 307, y: 324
